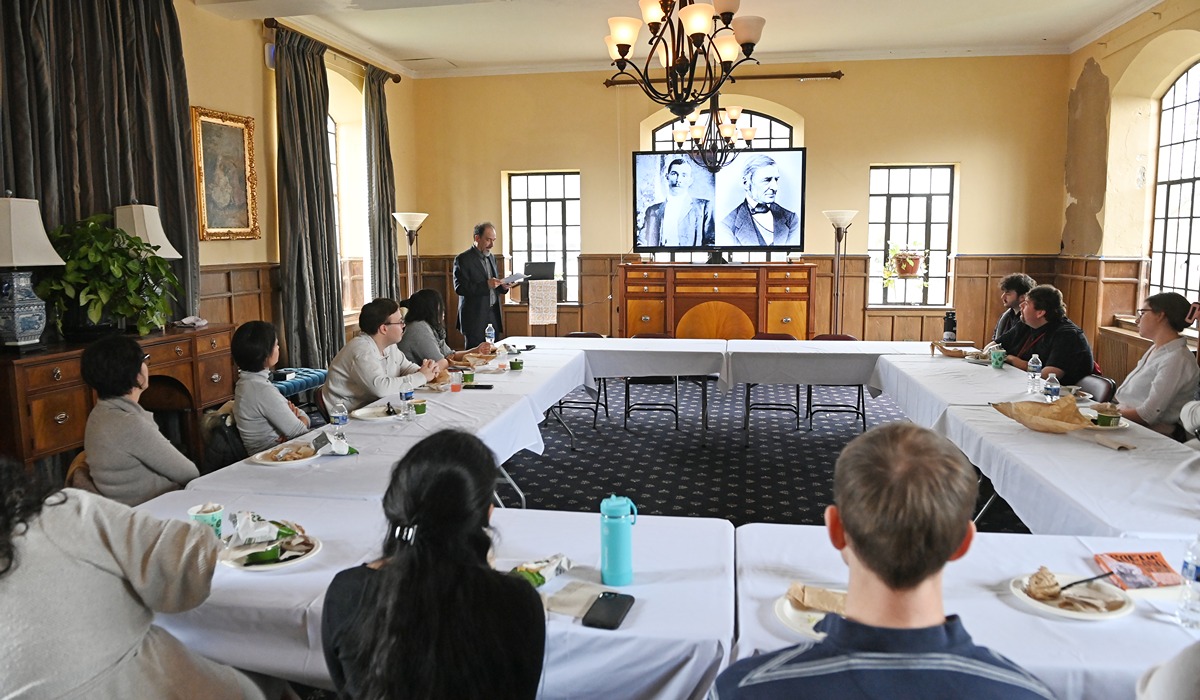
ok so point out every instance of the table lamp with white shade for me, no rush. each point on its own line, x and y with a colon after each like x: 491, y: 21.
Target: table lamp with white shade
x: 23, y: 244
x: 840, y: 218
x: 143, y: 221
x: 411, y: 223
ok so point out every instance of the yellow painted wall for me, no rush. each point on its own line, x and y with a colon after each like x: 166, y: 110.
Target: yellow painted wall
x: 226, y: 71
x: 1001, y: 119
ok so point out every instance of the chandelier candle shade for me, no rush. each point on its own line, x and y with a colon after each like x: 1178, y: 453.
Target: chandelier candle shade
x: 23, y: 243
x: 840, y: 218
x: 697, y: 45
x: 411, y: 223
x: 714, y: 143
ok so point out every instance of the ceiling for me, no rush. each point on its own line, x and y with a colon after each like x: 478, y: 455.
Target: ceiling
x: 440, y: 38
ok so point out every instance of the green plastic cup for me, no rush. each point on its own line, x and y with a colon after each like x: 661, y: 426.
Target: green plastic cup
x: 418, y: 406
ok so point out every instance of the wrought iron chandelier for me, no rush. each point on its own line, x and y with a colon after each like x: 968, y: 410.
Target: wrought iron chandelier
x: 714, y: 143
x: 698, y: 45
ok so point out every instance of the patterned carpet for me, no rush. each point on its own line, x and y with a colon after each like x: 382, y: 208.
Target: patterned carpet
x: 784, y: 476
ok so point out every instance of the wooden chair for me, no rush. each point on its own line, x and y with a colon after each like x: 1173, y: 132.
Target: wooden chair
x: 601, y: 388
x: 79, y: 474
x: 859, y: 408
x: 767, y: 405
x: 1101, y: 388
x: 673, y: 382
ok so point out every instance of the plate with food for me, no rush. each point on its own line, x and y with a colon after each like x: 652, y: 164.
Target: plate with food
x: 979, y: 360
x: 290, y: 453
x: 385, y: 412
x: 292, y: 547
x: 1094, y: 416
x: 802, y: 607
x: 1094, y: 600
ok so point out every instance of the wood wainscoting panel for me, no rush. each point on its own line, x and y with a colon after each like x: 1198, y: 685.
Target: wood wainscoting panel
x: 977, y: 289
x: 238, y: 293
x: 1096, y: 288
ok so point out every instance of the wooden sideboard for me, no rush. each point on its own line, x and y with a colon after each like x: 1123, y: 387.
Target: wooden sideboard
x: 731, y: 301
x: 45, y: 403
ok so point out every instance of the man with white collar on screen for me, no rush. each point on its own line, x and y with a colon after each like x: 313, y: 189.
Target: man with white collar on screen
x: 758, y: 220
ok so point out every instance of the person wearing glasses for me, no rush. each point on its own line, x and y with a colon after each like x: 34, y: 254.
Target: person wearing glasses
x: 1166, y: 377
x: 425, y: 330
x: 130, y: 460
x: 370, y: 366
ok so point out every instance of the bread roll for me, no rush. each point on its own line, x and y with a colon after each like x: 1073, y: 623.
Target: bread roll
x: 814, y: 598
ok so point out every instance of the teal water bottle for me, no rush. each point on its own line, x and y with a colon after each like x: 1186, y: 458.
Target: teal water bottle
x: 617, y: 516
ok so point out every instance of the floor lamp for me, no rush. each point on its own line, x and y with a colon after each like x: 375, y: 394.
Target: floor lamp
x: 840, y: 218
x: 411, y: 223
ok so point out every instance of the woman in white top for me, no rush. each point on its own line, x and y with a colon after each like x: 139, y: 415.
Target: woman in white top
x: 370, y: 366
x: 425, y: 330
x: 264, y: 417
x: 1166, y: 377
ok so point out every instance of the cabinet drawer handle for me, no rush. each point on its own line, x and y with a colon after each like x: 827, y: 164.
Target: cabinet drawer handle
x: 645, y: 289
x: 62, y: 418
x: 787, y: 274
x: 178, y: 351
x: 787, y: 319
x: 645, y: 319
x: 212, y: 343
x: 215, y: 378
x: 787, y: 290
x: 57, y: 374
x: 715, y: 289
x: 715, y: 274
x: 645, y: 274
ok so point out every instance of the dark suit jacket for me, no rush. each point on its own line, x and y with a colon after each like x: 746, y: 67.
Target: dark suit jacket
x: 697, y: 226
x: 738, y: 228
x: 471, y: 285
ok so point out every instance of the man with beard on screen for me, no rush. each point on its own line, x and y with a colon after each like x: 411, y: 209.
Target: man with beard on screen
x: 681, y: 220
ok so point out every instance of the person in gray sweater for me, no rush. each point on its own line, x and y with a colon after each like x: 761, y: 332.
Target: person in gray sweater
x: 264, y: 417
x: 81, y: 578
x: 130, y: 460
x: 425, y: 332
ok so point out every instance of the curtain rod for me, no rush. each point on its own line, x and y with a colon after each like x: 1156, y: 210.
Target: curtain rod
x: 272, y: 23
x: 802, y: 77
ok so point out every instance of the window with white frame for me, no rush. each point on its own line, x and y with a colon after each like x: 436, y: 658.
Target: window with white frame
x: 910, y: 212
x: 771, y: 133
x: 1175, y: 239
x: 544, y: 225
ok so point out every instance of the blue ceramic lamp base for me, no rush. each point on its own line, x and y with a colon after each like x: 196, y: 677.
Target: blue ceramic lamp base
x: 22, y: 313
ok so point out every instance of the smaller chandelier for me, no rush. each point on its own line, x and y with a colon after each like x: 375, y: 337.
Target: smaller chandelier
x: 698, y: 45
x: 715, y: 142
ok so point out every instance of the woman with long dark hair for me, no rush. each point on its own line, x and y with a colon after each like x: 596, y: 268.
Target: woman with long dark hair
x: 425, y: 334
x: 81, y: 577
x: 431, y: 619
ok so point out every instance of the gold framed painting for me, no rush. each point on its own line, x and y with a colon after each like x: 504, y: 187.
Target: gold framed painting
x: 225, y: 179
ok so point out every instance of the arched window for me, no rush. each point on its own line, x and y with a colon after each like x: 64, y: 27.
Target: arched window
x: 1175, y: 239
x: 771, y: 133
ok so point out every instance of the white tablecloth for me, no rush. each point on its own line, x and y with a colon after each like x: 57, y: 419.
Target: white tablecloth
x: 811, y: 361
x: 675, y: 640
x: 1069, y: 485
x: 924, y: 387
x: 640, y: 357
x: 1078, y: 660
x: 549, y: 374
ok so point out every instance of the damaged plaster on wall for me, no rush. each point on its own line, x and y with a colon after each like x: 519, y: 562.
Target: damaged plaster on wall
x: 1087, y: 161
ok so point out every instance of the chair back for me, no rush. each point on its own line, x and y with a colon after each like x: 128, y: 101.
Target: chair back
x: 650, y: 335
x: 834, y: 336
x: 319, y: 395
x: 773, y: 336
x: 583, y: 334
x: 79, y: 474
x: 1101, y: 388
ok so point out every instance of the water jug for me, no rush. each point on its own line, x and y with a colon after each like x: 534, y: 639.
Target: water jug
x: 617, y: 516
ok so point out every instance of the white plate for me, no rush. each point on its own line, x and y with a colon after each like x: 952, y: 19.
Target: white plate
x: 238, y: 563
x: 802, y: 621
x: 262, y: 457
x: 978, y: 361
x: 1091, y: 414
x: 1073, y: 389
x: 374, y: 413
x: 1017, y: 586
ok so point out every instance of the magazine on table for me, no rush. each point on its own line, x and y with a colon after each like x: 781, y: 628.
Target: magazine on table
x: 1134, y: 570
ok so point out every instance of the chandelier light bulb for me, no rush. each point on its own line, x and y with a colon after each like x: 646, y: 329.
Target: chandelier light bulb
x: 747, y: 30
x: 625, y: 32
x: 728, y: 47
x: 652, y: 12
x: 697, y: 19
x: 735, y: 113
x: 613, y: 52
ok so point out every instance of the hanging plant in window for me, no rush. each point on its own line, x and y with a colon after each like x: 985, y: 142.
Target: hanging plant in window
x: 903, y: 264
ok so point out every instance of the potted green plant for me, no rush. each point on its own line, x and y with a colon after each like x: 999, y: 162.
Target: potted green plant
x: 111, y: 279
x: 902, y: 264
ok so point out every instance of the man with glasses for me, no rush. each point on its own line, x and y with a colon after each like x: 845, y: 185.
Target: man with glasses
x: 479, y: 288
x: 370, y: 366
x: 1046, y: 331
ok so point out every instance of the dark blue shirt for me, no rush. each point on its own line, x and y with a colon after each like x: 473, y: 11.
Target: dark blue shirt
x: 857, y: 661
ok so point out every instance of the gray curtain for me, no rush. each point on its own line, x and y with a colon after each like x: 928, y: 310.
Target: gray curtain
x: 381, y: 187
x: 94, y: 113
x: 312, y: 283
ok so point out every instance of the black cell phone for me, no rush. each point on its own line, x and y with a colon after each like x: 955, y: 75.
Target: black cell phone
x: 529, y: 347
x: 608, y: 610
x: 474, y: 385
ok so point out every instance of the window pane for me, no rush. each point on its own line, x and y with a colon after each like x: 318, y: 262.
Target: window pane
x: 899, y: 210
x: 941, y: 209
x: 879, y: 181
x: 554, y: 187
x: 537, y: 186
x: 554, y: 213
x: 518, y: 215
x: 573, y: 238
x: 916, y: 209
x: 919, y: 182
x: 518, y: 187
x: 875, y: 236
x: 877, y: 209
x: 898, y: 181
x: 940, y: 181
x: 572, y: 186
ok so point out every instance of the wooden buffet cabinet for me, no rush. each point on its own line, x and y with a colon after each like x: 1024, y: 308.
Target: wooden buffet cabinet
x: 45, y: 403
x: 728, y: 301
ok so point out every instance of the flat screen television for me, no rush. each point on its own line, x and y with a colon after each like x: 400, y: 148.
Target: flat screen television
x: 756, y: 202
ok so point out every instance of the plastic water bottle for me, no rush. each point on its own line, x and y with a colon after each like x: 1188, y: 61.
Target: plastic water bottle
x: 617, y: 516
x: 339, y: 417
x: 1188, y: 612
x: 1035, y: 375
x: 1053, y: 388
x: 489, y: 334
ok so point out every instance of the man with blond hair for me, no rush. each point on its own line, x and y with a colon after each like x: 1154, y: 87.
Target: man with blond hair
x: 903, y: 497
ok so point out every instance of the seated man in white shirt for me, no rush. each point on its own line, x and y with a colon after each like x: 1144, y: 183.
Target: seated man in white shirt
x: 370, y: 366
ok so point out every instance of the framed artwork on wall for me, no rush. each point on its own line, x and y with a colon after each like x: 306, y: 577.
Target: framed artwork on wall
x: 225, y: 176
